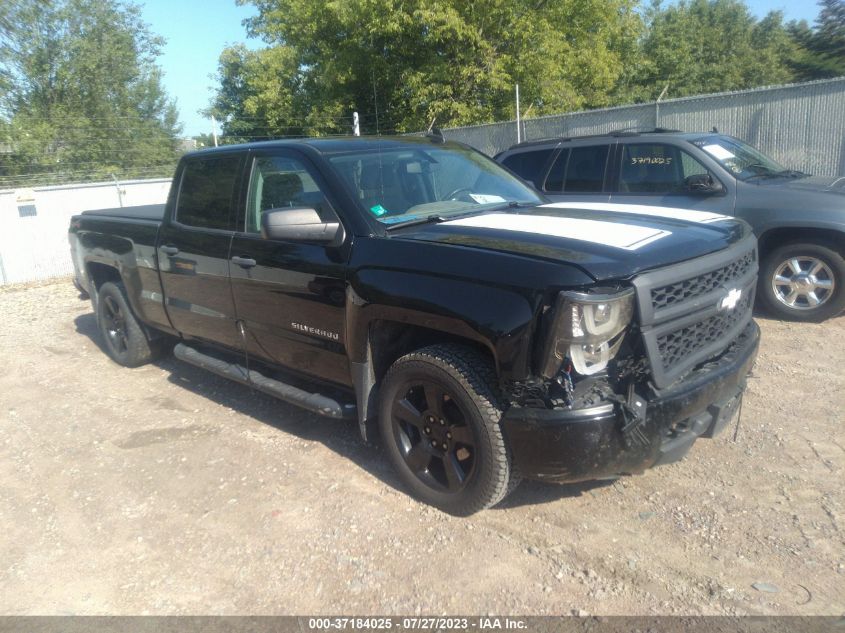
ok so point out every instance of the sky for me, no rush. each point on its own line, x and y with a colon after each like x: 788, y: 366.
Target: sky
x: 197, y: 31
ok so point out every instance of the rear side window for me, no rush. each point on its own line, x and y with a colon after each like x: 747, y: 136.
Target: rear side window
x: 529, y: 165
x: 579, y: 170
x: 207, y: 194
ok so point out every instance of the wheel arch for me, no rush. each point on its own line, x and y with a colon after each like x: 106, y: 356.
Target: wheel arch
x: 831, y: 236
x: 388, y: 339
x: 830, y: 240
x: 99, y: 273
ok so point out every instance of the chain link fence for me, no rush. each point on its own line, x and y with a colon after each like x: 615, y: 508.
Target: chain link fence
x: 801, y: 126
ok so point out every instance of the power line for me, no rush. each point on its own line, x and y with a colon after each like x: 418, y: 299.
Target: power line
x: 85, y: 177
x: 58, y: 119
x: 104, y: 168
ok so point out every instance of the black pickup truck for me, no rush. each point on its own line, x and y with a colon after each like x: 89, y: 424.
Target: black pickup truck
x: 416, y: 286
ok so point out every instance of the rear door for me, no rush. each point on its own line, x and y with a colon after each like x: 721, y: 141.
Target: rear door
x: 656, y: 173
x: 193, y: 251
x: 290, y: 295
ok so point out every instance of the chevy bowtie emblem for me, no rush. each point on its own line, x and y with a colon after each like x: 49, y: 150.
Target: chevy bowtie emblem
x: 730, y: 300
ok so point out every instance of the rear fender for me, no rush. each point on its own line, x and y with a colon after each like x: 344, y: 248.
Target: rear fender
x: 134, y: 265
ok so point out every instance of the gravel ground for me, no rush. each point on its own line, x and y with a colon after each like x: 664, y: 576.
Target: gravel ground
x: 167, y: 490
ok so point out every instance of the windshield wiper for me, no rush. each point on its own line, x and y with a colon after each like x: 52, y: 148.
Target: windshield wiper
x: 784, y: 173
x: 433, y: 218
x: 512, y: 204
x: 426, y: 219
x: 793, y: 173
x: 436, y: 218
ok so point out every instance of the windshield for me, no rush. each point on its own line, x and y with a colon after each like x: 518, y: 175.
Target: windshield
x: 404, y: 184
x: 739, y: 158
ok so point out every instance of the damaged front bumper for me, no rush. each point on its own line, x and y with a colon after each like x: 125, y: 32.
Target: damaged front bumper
x: 564, y: 445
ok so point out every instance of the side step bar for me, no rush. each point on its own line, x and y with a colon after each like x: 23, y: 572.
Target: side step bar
x: 315, y: 402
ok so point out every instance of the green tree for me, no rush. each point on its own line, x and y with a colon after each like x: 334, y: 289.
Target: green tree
x: 703, y: 46
x: 203, y: 140
x: 83, y: 96
x: 822, y: 50
x: 404, y: 63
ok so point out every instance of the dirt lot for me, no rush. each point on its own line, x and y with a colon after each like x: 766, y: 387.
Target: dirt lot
x: 168, y: 490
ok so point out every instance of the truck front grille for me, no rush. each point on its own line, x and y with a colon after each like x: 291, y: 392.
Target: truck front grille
x: 684, y: 342
x: 687, y: 289
x: 693, y: 311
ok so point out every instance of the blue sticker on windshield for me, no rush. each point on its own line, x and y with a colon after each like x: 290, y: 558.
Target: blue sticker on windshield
x: 378, y: 210
x: 396, y: 219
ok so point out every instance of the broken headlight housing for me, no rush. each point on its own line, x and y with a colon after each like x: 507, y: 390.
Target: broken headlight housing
x: 588, y: 330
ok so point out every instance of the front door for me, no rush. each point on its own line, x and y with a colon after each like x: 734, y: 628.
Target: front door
x: 290, y: 296
x: 657, y: 174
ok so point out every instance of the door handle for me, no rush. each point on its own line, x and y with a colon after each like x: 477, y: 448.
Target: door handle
x: 169, y: 250
x: 244, y: 262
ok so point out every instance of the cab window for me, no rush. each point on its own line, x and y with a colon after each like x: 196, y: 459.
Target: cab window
x: 208, y: 191
x: 282, y: 182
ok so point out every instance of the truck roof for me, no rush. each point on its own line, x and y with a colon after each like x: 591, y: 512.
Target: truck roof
x: 334, y: 144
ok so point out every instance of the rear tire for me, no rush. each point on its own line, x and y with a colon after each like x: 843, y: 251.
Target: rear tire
x: 803, y: 282
x: 439, y: 419
x: 125, y: 341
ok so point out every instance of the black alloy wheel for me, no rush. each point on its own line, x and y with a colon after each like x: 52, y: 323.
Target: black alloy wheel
x: 114, y: 324
x: 440, y: 422
x: 125, y: 341
x: 433, y: 436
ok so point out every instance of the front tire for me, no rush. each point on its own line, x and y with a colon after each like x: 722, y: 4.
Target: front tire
x: 803, y: 282
x: 124, y: 339
x: 439, y: 420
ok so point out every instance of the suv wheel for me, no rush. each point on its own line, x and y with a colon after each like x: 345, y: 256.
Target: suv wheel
x: 803, y: 282
x: 439, y: 421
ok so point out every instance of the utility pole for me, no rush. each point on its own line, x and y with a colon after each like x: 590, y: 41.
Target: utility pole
x: 214, y: 130
x: 356, y: 126
x: 518, y: 131
x: 524, y: 117
x: 375, y: 101
x: 657, y: 106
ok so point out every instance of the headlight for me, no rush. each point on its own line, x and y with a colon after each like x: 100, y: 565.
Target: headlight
x: 587, y: 329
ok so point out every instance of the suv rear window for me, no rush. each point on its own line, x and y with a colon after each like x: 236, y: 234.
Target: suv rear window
x: 529, y: 165
x: 207, y: 194
x: 579, y: 170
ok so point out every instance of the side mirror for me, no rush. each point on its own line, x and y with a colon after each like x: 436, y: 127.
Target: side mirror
x: 703, y: 184
x: 299, y: 225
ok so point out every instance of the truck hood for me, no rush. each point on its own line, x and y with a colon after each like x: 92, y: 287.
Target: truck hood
x: 834, y: 185
x: 821, y: 196
x: 607, y: 241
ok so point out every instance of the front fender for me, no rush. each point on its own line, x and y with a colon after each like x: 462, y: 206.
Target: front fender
x: 500, y: 319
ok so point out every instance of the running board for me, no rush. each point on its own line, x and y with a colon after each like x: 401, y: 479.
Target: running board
x: 315, y: 402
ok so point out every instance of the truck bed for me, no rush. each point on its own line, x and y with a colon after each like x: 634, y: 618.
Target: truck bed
x: 142, y: 212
